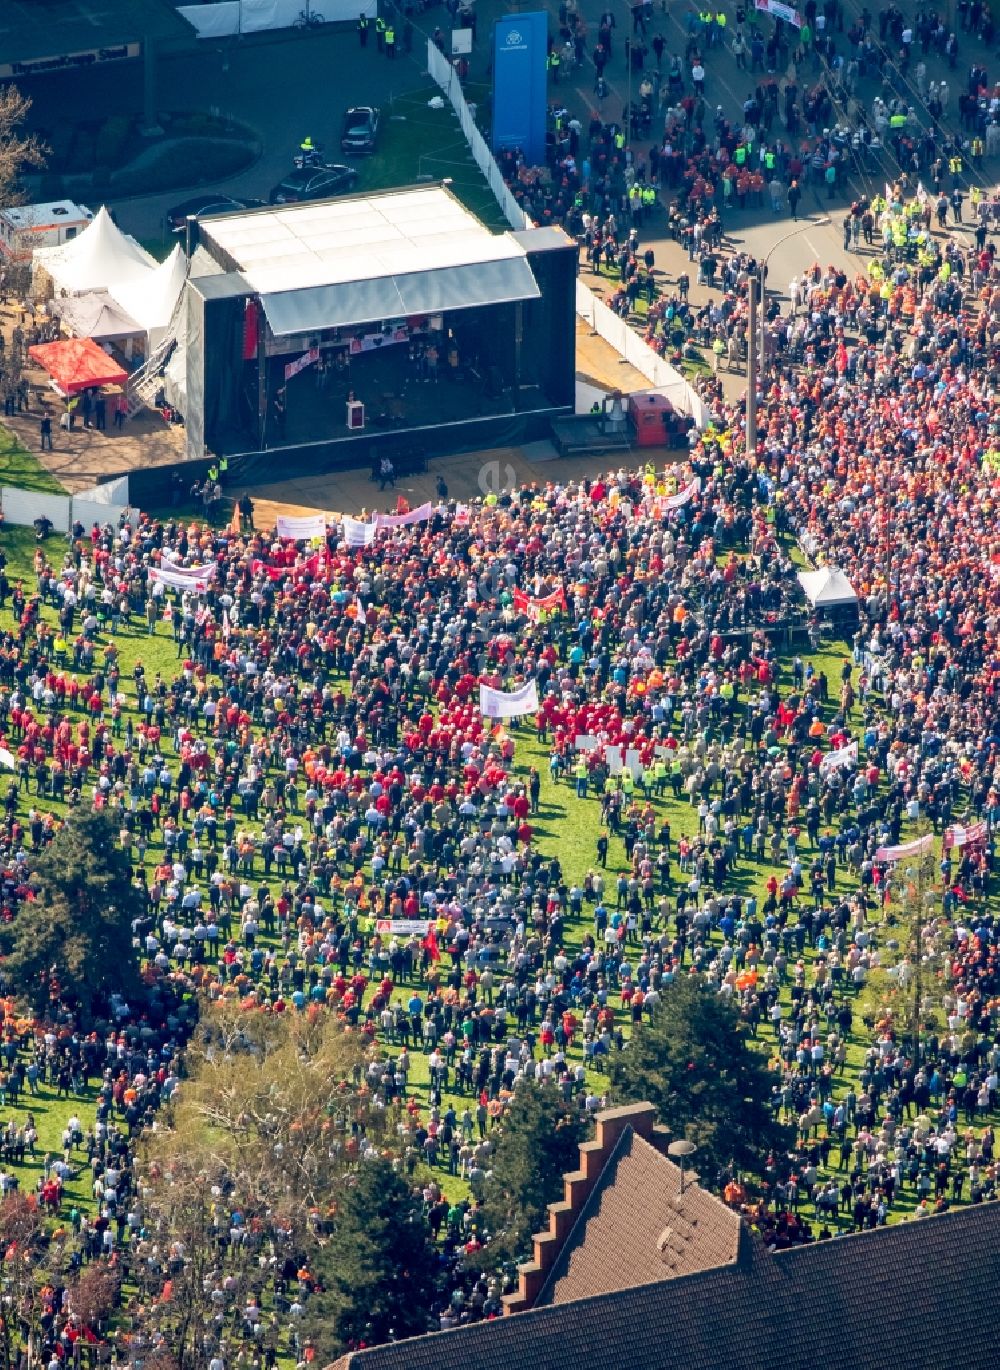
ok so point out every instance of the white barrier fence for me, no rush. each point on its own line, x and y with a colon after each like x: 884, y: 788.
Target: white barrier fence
x: 615, y: 331
x: 227, y: 18
x: 104, y: 504
x: 637, y: 352
x: 24, y: 506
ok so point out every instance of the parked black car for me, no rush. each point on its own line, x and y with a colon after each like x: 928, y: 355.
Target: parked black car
x: 208, y: 202
x: 313, y: 183
x: 360, y: 130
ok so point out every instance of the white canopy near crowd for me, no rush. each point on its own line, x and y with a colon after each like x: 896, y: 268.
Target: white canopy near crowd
x: 153, y: 299
x: 104, y: 280
x: 827, y: 588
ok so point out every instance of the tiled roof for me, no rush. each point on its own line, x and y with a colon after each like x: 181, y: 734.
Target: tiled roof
x: 637, y: 1227
x: 911, y: 1297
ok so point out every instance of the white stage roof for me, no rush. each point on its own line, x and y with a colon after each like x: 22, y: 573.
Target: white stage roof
x: 363, y: 237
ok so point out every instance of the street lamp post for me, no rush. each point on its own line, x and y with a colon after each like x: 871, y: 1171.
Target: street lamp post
x: 757, y: 325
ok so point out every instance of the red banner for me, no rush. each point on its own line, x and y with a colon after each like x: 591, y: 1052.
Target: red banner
x: 972, y: 836
x: 534, y: 608
x: 250, y: 319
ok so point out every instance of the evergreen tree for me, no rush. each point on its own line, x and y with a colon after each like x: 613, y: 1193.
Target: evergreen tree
x: 73, y: 943
x: 379, y: 1267
x: 539, y: 1142
x: 708, y: 1082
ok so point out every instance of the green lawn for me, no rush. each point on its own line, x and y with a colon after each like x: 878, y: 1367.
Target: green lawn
x: 417, y: 142
x: 566, y: 826
x: 22, y: 468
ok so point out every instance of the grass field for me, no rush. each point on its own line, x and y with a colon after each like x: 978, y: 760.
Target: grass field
x: 566, y: 826
x: 22, y: 468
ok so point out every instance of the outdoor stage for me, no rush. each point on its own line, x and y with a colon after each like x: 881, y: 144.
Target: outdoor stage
x: 443, y: 336
x: 405, y: 399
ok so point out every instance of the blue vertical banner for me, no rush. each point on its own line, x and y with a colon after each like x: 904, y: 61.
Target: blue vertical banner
x: 520, y: 49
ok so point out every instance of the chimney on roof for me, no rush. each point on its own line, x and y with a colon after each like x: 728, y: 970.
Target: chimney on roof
x: 611, y: 1124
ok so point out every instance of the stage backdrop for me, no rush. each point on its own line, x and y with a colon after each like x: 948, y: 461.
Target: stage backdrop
x: 520, y: 49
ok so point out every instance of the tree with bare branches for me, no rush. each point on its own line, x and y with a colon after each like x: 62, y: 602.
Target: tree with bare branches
x: 242, y: 1182
x: 17, y: 149
x: 284, y: 1103
x: 23, y: 1241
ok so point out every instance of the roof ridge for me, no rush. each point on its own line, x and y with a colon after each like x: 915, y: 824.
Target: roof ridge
x: 585, y: 1214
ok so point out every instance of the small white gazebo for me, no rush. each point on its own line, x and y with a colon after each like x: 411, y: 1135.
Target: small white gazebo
x: 828, y: 588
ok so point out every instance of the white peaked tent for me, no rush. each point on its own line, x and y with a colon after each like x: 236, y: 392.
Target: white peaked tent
x: 100, y: 258
x: 153, y: 299
x: 827, y: 588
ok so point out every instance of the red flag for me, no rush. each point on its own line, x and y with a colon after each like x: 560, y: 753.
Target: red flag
x: 402, y: 505
x: 431, y: 946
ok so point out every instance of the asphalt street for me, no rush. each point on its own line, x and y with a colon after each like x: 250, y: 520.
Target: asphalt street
x: 292, y: 83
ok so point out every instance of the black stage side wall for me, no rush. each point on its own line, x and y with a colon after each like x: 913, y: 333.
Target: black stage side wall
x: 548, y: 344
x: 152, y: 485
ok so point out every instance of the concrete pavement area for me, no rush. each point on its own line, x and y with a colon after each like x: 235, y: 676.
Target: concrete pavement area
x: 468, y: 476
x: 293, y: 82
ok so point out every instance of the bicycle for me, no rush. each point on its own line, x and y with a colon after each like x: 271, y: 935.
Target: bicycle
x: 310, y: 19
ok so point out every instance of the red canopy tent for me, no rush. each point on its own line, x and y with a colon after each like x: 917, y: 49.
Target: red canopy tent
x: 76, y: 364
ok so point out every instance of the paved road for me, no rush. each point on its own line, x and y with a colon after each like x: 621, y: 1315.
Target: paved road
x: 288, y: 84
x: 284, y: 86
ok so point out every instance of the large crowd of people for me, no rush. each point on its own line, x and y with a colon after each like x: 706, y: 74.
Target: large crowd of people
x: 318, y: 812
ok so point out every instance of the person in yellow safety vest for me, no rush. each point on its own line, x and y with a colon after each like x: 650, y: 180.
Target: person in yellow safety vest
x: 955, y: 166
x: 977, y: 147
x: 223, y: 468
x: 975, y: 195
x: 390, y: 40
x: 648, y: 198
x: 619, y: 141
x: 307, y: 145
x: 554, y: 64
x: 580, y: 773
x: 380, y: 33
x: 718, y: 349
x: 363, y: 30
x: 897, y: 121
x: 213, y: 473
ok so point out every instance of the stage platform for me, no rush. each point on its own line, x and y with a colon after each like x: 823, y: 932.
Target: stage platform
x: 398, y: 399
x: 580, y: 435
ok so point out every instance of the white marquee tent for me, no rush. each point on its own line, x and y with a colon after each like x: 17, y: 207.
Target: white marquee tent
x: 100, y: 258
x: 96, y: 315
x: 827, y: 588
x: 153, y: 299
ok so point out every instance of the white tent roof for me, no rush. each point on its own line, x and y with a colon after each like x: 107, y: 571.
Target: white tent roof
x: 96, y: 315
x: 827, y: 587
x: 102, y: 256
x: 153, y: 299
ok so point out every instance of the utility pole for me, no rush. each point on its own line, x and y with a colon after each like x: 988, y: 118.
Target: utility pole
x: 752, y: 362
